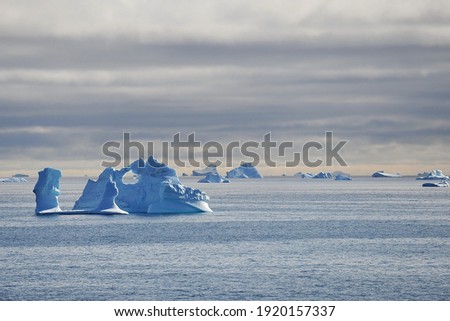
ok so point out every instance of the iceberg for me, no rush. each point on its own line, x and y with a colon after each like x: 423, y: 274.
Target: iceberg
x: 323, y: 175
x: 47, y: 192
x: 304, y: 175
x: 108, y: 201
x: 213, y: 178
x: 435, y: 174
x: 342, y: 177
x: 440, y: 184
x: 203, y: 172
x: 13, y: 180
x: 156, y: 189
x: 386, y: 175
x: 21, y: 175
x: 246, y: 170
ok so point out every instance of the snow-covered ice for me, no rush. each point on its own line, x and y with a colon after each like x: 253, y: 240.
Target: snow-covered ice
x: 246, y: 170
x: 435, y: 174
x: 213, y: 177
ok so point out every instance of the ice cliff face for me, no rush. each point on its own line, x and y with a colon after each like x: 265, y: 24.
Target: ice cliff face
x: 246, y: 170
x: 157, y: 190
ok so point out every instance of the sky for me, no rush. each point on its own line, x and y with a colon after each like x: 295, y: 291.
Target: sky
x: 76, y: 74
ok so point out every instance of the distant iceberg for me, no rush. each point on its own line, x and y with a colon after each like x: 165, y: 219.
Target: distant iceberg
x: 246, y: 170
x: 157, y: 189
x: 47, y: 193
x: 435, y: 174
x: 213, y: 178
x: 203, y: 172
x: 342, y: 177
x: 13, y: 180
x: 21, y: 175
x: 433, y: 184
x: 323, y: 175
x: 304, y: 175
x: 386, y: 175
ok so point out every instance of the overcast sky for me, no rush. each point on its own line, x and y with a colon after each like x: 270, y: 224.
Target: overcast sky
x: 75, y: 74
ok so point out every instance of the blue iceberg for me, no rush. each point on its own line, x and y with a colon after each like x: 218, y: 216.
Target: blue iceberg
x: 213, y: 178
x: 246, y: 170
x: 323, y: 175
x: 13, y: 180
x: 382, y: 174
x: 342, y: 177
x: 47, y: 192
x: 435, y: 174
x: 304, y: 175
x: 156, y: 189
x: 203, y: 172
x: 438, y: 184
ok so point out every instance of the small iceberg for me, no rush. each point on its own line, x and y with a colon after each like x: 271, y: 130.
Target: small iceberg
x: 342, y: 177
x: 439, y: 184
x: 304, y: 175
x: 47, y: 193
x: 21, y: 175
x: 246, y: 170
x: 13, y: 180
x: 385, y: 175
x: 323, y: 175
x: 203, y: 172
x: 435, y: 174
x: 213, y: 178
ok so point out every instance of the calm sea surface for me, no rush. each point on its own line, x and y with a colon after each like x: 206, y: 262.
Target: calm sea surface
x: 270, y: 239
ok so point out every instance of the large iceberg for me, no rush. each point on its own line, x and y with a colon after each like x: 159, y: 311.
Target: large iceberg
x: 203, y: 172
x: 47, y: 193
x: 435, y: 174
x: 213, y: 178
x: 157, y: 189
x: 246, y: 170
x: 386, y: 175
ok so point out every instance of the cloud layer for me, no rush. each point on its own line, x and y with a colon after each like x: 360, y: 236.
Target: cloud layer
x: 76, y: 74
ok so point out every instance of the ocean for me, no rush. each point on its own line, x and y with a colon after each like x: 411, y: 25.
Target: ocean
x: 277, y: 238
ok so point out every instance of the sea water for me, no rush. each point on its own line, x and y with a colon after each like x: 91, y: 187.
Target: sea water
x: 281, y: 238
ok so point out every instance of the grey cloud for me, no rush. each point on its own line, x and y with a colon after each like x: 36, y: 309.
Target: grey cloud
x: 368, y: 76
